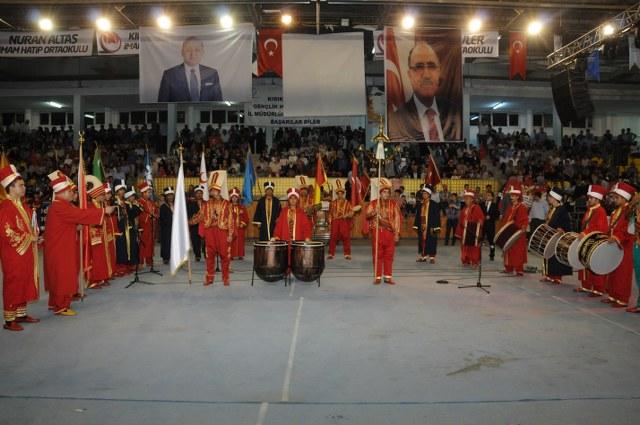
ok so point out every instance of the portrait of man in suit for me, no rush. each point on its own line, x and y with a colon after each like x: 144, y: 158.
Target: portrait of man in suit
x: 427, y: 115
x: 190, y: 81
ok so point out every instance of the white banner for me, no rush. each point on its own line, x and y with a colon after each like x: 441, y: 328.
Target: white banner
x: 118, y: 42
x: 482, y: 44
x: 634, y: 52
x: 40, y: 44
x: 200, y: 63
x: 267, y: 110
x: 323, y: 75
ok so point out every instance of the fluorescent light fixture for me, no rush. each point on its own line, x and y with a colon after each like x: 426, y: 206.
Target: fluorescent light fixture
x: 90, y: 116
x: 497, y: 105
x: 475, y: 117
x: 226, y: 102
x: 54, y: 104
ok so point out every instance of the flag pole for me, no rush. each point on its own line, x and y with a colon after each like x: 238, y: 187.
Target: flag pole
x: 379, y: 139
x: 82, y: 278
x: 180, y: 149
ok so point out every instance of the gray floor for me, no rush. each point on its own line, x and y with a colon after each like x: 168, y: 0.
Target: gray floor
x: 345, y: 353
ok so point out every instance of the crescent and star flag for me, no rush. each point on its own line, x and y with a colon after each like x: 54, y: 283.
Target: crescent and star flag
x: 203, y: 178
x: 393, y: 76
x: 321, y: 178
x: 517, y: 55
x: 270, y: 51
x: 356, y: 185
x: 180, y: 239
x: 433, y: 175
x: 249, y: 181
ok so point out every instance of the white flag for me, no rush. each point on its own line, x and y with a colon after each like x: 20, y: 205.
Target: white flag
x: 203, y: 178
x: 180, y: 241
x: 634, y: 52
x: 374, y: 187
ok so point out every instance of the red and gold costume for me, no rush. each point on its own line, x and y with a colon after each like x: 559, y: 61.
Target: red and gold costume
x: 292, y: 225
x: 240, y: 222
x: 383, y: 239
x: 516, y: 256
x: 19, y: 257
x: 147, y: 221
x: 619, y: 281
x: 473, y: 214
x: 594, y: 220
x: 101, y: 266
x: 340, y: 220
x: 215, y: 221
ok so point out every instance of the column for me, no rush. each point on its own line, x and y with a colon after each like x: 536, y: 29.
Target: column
x: 557, y: 127
x: 466, y: 111
x: 172, y: 113
x: 529, y: 121
x: 192, y: 119
x: 107, y: 117
x: 78, y: 118
x: 28, y: 117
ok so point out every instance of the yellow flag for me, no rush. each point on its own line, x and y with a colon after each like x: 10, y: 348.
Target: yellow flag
x: 321, y: 178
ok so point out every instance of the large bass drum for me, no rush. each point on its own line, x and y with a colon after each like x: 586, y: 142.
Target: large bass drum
x: 598, y: 255
x: 543, y: 241
x: 567, y: 250
x: 307, y: 260
x: 507, y: 236
x: 270, y: 260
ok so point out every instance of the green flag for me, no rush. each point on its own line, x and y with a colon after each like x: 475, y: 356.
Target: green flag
x: 98, y: 170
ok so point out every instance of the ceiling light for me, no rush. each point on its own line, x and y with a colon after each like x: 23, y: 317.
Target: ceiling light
x: 54, y: 104
x: 89, y: 116
x: 226, y: 21
x: 475, y: 24
x: 498, y: 105
x: 103, y: 24
x: 45, y: 24
x: 608, y: 30
x: 164, y: 22
x: 286, y: 19
x: 534, y: 27
x: 408, y: 21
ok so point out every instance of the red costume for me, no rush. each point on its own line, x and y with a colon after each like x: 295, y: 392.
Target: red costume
x: 19, y: 257
x: 516, y: 256
x: 594, y: 220
x: 101, y: 267
x: 292, y: 225
x: 215, y: 221
x: 473, y: 214
x: 340, y: 220
x: 110, y: 240
x: 240, y: 222
x: 61, y: 248
x: 619, y: 280
x: 383, y: 239
x: 147, y: 221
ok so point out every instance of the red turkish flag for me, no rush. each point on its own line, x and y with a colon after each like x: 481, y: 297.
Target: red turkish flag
x: 517, y: 55
x: 270, y: 51
x: 433, y: 175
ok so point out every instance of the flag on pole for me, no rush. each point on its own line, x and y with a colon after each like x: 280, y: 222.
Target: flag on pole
x: 249, y: 181
x: 433, y: 175
x: 82, y: 203
x: 180, y: 241
x: 356, y: 185
x: 321, y: 178
x: 97, y: 169
x: 517, y: 55
x: 392, y: 73
x: 203, y: 177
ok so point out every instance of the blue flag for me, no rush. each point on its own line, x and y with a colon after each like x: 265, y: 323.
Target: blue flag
x: 249, y: 181
x: 148, y: 176
x: 593, y: 65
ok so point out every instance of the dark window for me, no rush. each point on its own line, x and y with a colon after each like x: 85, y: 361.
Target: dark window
x: 138, y: 117
x: 513, y: 120
x: 474, y: 119
x: 20, y: 118
x: 181, y: 117
x: 500, y: 120
x: 580, y: 123
x: 205, y: 116
x: 548, y: 120
x: 152, y: 116
x: 537, y: 120
x: 99, y: 117
x: 124, y: 118
x: 58, y: 118
x: 232, y: 116
x: 69, y: 118
x: 485, y: 118
x: 163, y: 116
x: 8, y: 118
x: 218, y: 117
x: 44, y: 118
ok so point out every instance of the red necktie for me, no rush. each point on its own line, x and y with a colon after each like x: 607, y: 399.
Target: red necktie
x: 433, y: 128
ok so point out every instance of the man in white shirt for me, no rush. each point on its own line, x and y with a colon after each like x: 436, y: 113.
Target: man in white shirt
x: 538, y: 212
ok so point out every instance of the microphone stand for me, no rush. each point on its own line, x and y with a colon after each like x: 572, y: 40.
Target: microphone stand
x: 478, y: 284
x: 153, y: 234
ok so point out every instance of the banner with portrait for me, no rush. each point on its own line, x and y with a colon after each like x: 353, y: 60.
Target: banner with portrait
x: 200, y: 63
x: 118, y: 42
x: 423, y: 85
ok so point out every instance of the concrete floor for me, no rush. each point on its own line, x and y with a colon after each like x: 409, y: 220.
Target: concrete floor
x: 345, y: 353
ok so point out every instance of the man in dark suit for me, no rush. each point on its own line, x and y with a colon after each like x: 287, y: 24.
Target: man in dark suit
x: 190, y: 81
x: 426, y: 116
x: 491, y: 215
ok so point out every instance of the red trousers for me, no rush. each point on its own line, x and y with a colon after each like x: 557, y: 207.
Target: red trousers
x: 592, y: 282
x: 516, y: 256
x: 470, y: 254
x: 59, y: 300
x: 100, y: 263
x: 215, y: 241
x: 146, y: 244
x: 237, y: 245
x: 386, y: 251
x: 340, y: 231
x: 619, y: 280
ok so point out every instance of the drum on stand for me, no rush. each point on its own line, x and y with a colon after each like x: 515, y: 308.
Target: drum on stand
x: 270, y: 260
x: 307, y: 260
x: 472, y: 234
x: 507, y: 236
x: 543, y: 241
x: 567, y: 250
x: 598, y: 255
x: 321, y: 229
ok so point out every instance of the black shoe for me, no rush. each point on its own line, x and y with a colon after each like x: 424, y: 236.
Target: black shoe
x: 490, y: 258
x: 165, y: 261
x: 197, y: 258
